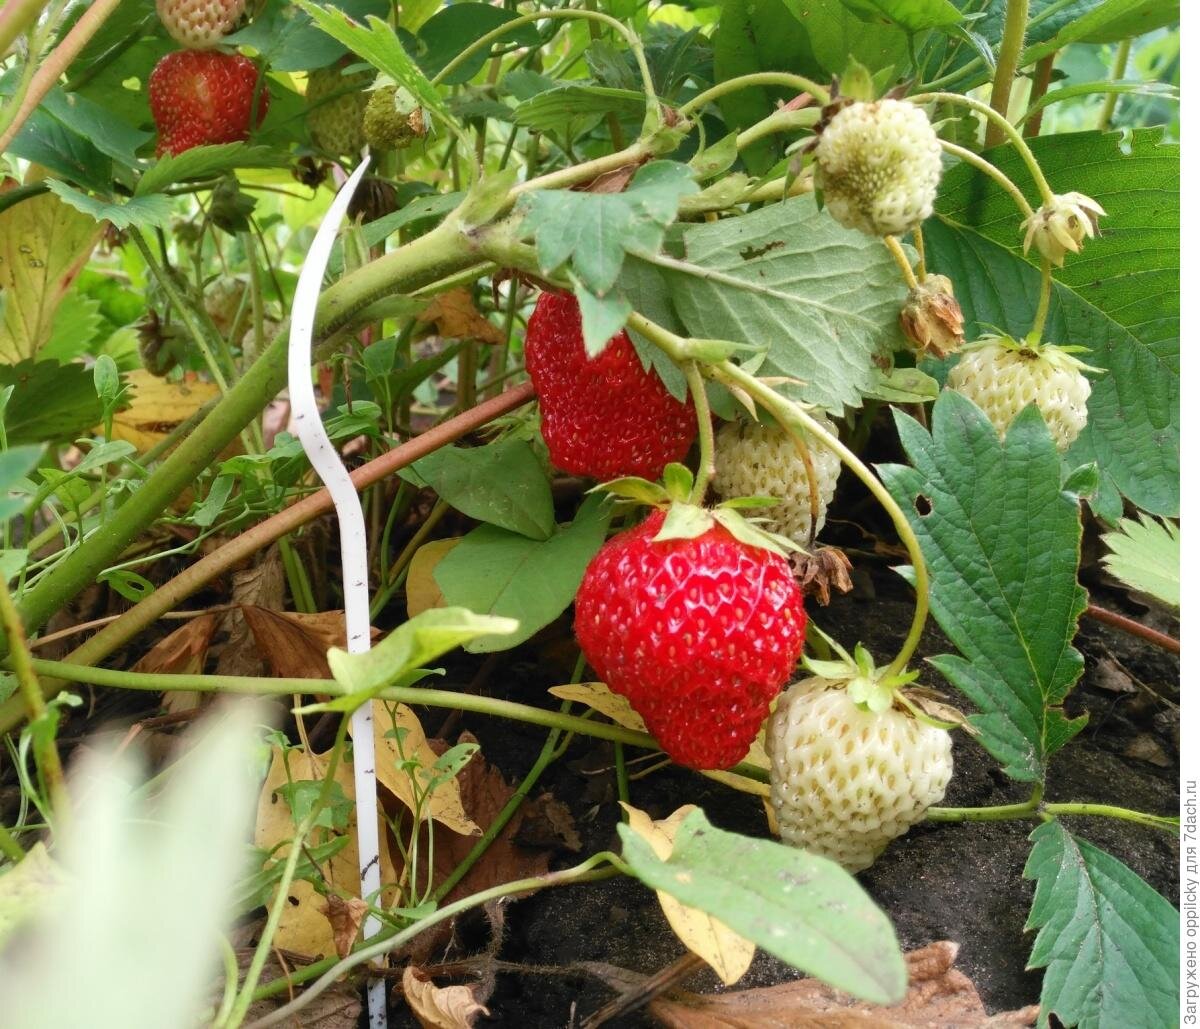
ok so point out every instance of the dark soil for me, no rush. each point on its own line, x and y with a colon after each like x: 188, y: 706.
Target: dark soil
x: 948, y: 881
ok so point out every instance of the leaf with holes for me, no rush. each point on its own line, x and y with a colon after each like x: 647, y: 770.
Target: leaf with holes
x: 1001, y: 539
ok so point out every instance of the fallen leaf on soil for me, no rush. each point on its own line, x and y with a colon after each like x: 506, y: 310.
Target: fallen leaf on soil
x: 939, y: 997
x: 440, y: 1007
x: 157, y: 406
x: 260, y: 586
x: 548, y: 823
x: 456, y: 317
x: 305, y: 928
x: 25, y: 889
x: 345, y: 919
x: 728, y: 953
x: 183, y: 652
x: 1145, y: 747
x: 294, y: 644
x: 420, y: 587
x: 599, y: 697
x: 484, y: 794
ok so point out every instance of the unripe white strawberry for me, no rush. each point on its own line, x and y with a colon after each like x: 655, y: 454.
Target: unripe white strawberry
x: 878, y: 166
x: 1003, y: 377
x: 336, y: 104
x: 199, y: 24
x: 223, y: 299
x: 756, y: 460
x: 845, y: 780
x: 1061, y: 226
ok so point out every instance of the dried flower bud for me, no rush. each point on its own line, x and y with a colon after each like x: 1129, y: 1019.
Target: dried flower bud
x: 931, y: 318
x: 1062, y: 225
x: 820, y: 569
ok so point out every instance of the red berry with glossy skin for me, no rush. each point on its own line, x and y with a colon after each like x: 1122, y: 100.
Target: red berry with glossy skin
x: 605, y: 416
x: 700, y: 635
x: 202, y: 97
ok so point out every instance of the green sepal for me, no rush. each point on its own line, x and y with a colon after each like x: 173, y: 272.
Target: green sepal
x: 856, y: 82
x: 679, y: 481
x: 740, y: 503
x: 747, y: 532
x: 684, y: 522
x: 631, y: 487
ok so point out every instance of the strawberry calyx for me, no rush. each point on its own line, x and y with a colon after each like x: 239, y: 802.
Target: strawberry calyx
x: 687, y: 520
x: 1056, y: 354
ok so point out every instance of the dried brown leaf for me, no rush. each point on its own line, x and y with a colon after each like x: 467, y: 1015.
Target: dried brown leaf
x: 456, y: 317
x: 939, y: 997
x: 440, y: 1007
x: 293, y: 644
x: 158, y: 406
x: 345, y: 919
x: 548, y: 823
x: 260, y: 586
x: 182, y: 652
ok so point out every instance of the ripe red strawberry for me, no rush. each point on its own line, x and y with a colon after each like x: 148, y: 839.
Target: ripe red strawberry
x: 201, y: 97
x: 699, y: 634
x: 199, y: 24
x: 605, y: 416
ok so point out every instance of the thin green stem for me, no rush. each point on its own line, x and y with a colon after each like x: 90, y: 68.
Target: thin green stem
x: 901, y: 259
x: 996, y: 813
x: 229, y: 963
x: 246, y: 995
x: 1120, y: 63
x: 1016, y: 15
x: 777, y: 122
x: 1006, y: 127
x: 986, y: 166
x: 265, y: 686
x: 790, y: 413
x: 584, y: 872
x: 632, y: 38
x: 761, y: 78
x: 1109, y: 811
x: 1034, y: 336
x: 708, y: 463
x: 44, y: 745
x: 396, y: 574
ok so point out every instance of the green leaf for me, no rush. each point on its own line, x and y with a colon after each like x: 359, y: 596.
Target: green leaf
x: 1002, y: 543
x: 52, y: 401
x: 502, y: 484
x: 378, y: 45
x: 602, y: 317
x: 142, y: 212
x: 904, y: 386
x: 457, y: 26
x: 910, y: 15
x: 534, y: 581
x: 824, y: 299
x: 417, y: 642
x: 77, y: 323
x: 1133, y: 411
x: 288, y: 39
x: 1108, y: 941
x: 1144, y: 554
x: 837, y: 35
x: 803, y: 909
x: 301, y: 795
x: 1106, y: 22
x: 107, y: 132
x: 1133, y: 87
x: 574, y: 109
x: 205, y: 162
x: 593, y: 231
x: 15, y: 465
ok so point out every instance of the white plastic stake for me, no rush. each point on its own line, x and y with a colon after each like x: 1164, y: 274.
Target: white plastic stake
x: 327, y: 463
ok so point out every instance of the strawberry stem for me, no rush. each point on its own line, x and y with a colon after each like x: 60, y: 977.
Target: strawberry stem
x: 1005, y: 127
x: 1034, y: 337
x: 790, y: 413
x: 708, y: 465
x: 986, y: 166
x: 762, y: 78
x: 901, y: 259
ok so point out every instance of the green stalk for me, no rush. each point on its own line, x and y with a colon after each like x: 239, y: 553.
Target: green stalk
x: 45, y: 748
x: 440, y: 252
x: 762, y: 78
x: 986, y: 166
x: 1016, y: 15
x: 1034, y: 336
x: 708, y: 464
x: 266, y: 686
x: 584, y: 872
x: 1120, y: 63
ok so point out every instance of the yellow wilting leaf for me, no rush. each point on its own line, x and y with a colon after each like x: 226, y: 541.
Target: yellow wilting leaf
x: 441, y: 1007
x: 456, y: 317
x: 305, y: 926
x: 600, y: 698
x: 420, y: 587
x: 43, y: 245
x: 157, y: 406
x: 728, y: 953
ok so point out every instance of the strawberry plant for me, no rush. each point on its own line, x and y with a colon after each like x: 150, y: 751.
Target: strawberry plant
x: 586, y: 468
